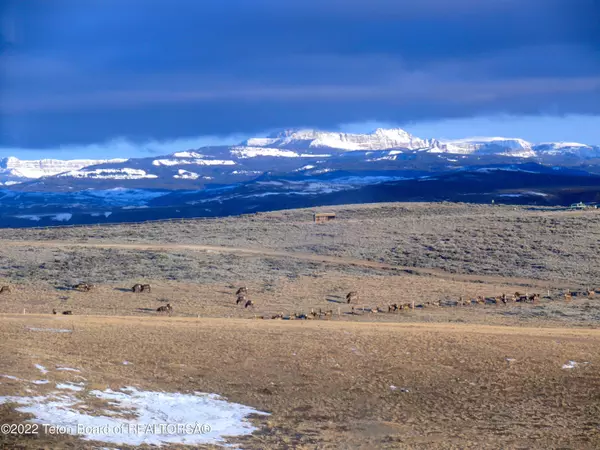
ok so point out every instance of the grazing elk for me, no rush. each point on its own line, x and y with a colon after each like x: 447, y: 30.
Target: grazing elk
x: 393, y: 307
x: 568, y: 297
x: 241, y: 298
x: 5, y: 290
x: 137, y: 288
x: 242, y: 290
x: 590, y: 293
x: 83, y: 287
x: 68, y: 313
x: 53, y: 311
x: 351, y: 296
x: 167, y: 308
x: 248, y: 304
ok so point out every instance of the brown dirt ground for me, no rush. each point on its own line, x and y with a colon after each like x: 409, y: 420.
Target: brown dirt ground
x: 327, y: 384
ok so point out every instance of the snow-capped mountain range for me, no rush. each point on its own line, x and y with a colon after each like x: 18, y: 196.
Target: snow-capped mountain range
x: 14, y: 170
x: 308, y: 152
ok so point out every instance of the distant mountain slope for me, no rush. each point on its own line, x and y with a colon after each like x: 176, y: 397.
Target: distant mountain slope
x: 309, y: 152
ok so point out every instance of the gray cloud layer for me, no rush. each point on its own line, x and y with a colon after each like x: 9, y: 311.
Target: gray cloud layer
x: 88, y: 71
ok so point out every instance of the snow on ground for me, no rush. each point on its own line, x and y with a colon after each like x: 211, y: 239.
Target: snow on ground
x: 30, y: 217
x: 198, y: 162
x: 252, y: 152
x: 160, y: 417
x: 41, y: 368
x: 186, y: 175
x: 68, y: 369
x: 187, y: 155
x: 110, y: 174
x: 62, y: 217
x: 70, y: 386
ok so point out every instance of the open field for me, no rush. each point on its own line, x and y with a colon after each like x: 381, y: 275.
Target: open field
x: 429, y: 377
x: 330, y: 384
x: 457, y: 238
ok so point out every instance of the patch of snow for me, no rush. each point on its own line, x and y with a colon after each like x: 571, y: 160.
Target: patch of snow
x: 253, y: 152
x: 10, y: 377
x: 40, y: 382
x: 246, y: 172
x: 126, y: 363
x: 187, y: 155
x: 30, y: 217
x: 70, y: 386
x: 186, y: 175
x: 192, y: 419
x: 62, y: 217
x: 570, y: 365
x: 308, y: 167
x: 68, y: 369
x: 41, y: 368
x: 198, y: 162
x: 109, y: 174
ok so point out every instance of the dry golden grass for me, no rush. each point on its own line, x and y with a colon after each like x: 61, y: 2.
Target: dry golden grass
x: 328, y: 384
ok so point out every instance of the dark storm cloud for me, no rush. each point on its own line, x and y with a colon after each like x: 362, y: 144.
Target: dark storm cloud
x: 84, y: 71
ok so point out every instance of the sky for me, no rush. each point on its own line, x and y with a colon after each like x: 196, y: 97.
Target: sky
x: 114, y: 78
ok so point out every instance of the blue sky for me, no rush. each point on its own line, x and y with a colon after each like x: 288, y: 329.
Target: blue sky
x: 106, y: 78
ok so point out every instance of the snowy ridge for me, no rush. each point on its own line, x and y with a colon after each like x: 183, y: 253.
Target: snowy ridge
x: 380, y: 139
x: 46, y: 167
x: 116, y: 174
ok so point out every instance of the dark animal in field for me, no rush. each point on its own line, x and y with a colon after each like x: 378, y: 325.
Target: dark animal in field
x: 5, y: 290
x: 240, y: 299
x: 249, y: 303
x: 242, y: 290
x: 393, y: 307
x: 534, y: 298
x: 68, y: 313
x: 84, y: 287
x: 503, y: 299
x: 53, y: 311
x: 167, y: 308
x: 300, y: 316
x: 277, y: 316
x: 351, y: 296
x: 137, y: 288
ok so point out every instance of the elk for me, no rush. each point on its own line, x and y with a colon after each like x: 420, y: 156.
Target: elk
x: 590, y: 293
x: 5, y: 289
x: 249, y: 303
x: 393, y: 307
x: 242, y: 290
x: 167, y: 308
x: 84, y: 287
x: 68, y: 313
x: 568, y: 297
x: 53, y: 311
x: 351, y: 296
x: 240, y: 299
x: 137, y: 288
